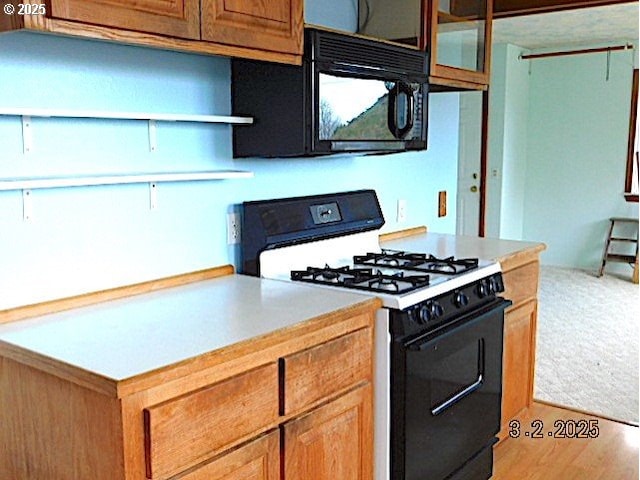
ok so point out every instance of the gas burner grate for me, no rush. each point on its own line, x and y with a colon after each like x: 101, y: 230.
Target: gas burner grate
x: 368, y: 279
x: 420, y: 262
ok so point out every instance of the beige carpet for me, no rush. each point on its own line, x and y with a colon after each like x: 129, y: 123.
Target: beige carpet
x: 587, y: 350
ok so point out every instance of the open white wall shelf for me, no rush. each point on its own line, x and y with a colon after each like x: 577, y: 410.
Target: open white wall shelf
x: 28, y: 184
x: 153, y: 178
x: 165, y: 117
x: 94, y: 180
x: 151, y: 118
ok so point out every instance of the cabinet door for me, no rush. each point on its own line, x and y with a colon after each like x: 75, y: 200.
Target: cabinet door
x: 274, y: 25
x: 518, y: 360
x: 175, y: 18
x: 334, y: 441
x: 257, y: 460
x: 460, y: 39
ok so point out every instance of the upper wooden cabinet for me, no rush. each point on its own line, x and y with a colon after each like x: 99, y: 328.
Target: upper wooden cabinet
x: 270, y: 31
x: 459, y: 42
x: 274, y: 25
x: 456, y: 33
x: 175, y: 18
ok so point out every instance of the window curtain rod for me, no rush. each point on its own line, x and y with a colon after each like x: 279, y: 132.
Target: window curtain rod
x: 575, y: 52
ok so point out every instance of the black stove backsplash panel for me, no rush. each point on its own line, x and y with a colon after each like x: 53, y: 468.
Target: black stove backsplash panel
x: 288, y: 221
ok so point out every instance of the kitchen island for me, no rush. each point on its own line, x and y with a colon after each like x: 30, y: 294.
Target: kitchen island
x: 520, y: 268
x: 206, y: 380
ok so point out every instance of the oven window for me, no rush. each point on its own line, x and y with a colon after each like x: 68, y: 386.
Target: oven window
x: 357, y: 109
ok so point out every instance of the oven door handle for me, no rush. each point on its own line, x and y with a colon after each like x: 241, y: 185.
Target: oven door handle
x: 469, y: 389
x: 451, y: 401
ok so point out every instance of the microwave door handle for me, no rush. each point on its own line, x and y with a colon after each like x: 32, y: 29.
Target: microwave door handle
x: 392, y: 111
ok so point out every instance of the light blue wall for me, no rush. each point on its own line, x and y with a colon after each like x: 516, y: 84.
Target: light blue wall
x: 508, y: 134
x: 563, y: 162
x: 86, y: 239
x: 578, y: 131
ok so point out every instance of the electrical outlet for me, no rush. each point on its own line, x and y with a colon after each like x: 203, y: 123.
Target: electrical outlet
x: 402, y: 210
x: 442, y: 204
x: 233, y: 228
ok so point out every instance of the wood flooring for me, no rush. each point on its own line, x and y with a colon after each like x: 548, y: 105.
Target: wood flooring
x: 534, y: 452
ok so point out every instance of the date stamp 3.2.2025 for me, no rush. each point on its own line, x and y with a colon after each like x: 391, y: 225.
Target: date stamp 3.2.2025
x: 561, y: 429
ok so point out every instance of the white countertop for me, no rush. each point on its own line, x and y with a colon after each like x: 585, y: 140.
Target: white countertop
x: 123, y: 338
x: 444, y: 245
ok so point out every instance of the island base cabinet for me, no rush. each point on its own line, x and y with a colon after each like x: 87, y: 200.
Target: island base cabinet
x: 518, y: 361
x: 257, y: 460
x: 225, y: 419
x: 335, y: 441
x: 52, y: 429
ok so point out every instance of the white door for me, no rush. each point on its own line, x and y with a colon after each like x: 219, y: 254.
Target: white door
x: 468, y: 196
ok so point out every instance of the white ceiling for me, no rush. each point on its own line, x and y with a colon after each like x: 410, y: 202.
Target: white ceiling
x: 583, y: 26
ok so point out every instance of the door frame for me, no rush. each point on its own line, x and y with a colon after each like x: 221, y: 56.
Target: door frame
x: 484, y: 155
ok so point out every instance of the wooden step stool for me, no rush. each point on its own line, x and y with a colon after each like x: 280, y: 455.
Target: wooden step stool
x: 619, y: 257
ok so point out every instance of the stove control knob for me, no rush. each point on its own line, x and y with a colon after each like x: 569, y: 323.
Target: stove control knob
x: 425, y: 315
x: 436, y: 310
x: 482, y: 290
x: 461, y: 300
x: 491, y: 286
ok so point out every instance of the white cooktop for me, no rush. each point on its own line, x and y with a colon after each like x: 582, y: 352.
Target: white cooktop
x: 338, y: 252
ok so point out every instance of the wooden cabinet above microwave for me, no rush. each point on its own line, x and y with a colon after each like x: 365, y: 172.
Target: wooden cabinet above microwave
x: 256, y: 30
x: 456, y: 33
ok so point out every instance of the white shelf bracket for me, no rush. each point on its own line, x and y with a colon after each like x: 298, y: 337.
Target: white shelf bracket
x: 27, y: 205
x: 153, y: 142
x: 153, y: 195
x: 27, y: 139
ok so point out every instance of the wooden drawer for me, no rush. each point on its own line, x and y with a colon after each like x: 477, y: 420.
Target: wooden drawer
x: 258, y: 459
x: 521, y: 283
x: 182, y: 432
x: 320, y: 372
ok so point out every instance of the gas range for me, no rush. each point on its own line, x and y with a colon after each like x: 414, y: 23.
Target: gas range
x: 438, y: 341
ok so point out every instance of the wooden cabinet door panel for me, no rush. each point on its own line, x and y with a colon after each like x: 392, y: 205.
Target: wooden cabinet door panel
x: 174, y: 18
x: 518, y: 360
x: 521, y: 283
x: 274, y: 25
x: 333, y: 442
x: 185, y: 431
x: 257, y: 460
x: 326, y: 370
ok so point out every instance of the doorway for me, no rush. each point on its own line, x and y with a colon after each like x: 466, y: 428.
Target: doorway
x: 469, y: 164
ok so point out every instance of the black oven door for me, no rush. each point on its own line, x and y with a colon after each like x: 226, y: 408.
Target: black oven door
x: 446, y: 398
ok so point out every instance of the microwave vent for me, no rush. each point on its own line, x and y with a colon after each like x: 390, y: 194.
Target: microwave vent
x: 370, y: 53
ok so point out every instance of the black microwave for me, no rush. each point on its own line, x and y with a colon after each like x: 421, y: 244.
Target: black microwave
x: 350, y: 95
